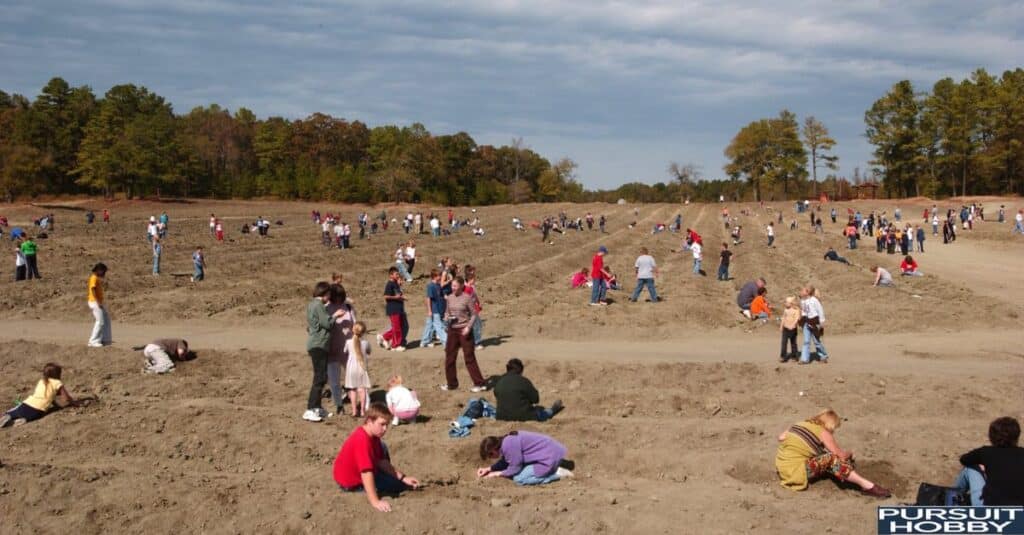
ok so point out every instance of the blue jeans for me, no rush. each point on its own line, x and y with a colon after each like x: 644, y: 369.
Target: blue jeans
x: 598, y: 290
x: 696, y: 266
x: 156, y: 264
x: 723, y: 272
x: 527, y: 477
x: 761, y: 316
x: 477, y: 330
x: 433, y: 325
x: 853, y: 242
x: 1018, y: 227
x: 771, y: 240
x: 198, y: 273
x: 805, y: 353
x: 972, y: 481
x: 640, y: 283
x: 403, y: 271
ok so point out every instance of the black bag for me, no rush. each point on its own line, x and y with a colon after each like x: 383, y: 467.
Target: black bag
x: 935, y: 495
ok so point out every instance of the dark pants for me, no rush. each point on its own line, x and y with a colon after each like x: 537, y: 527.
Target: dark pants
x: 319, y: 358
x: 788, y: 335
x: 31, y: 267
x: 19, y: 273
x: 386, y: 484
x: 24, y: 412
x: 451, y: 351
x: 409, y: 264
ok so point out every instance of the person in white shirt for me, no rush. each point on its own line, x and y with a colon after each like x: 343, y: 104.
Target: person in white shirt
x: 814, y: 325
x: 646, y: 270
x: 1019, y: 226
x: 151, y: 230
x: 771, y: 234
x: 410, y: 256
x: 698, y: 256
x: 402, y: 402
x: 435, y: 226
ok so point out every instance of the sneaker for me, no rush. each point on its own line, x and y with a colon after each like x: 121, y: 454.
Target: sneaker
x: 595, y: 304
x: 479, y: 347
x: 476, y: 389
x: 398, y: 348
x: 395, y: 422
x: 380, y: 340
x: 746, y: 313
x: 321, y: 412
x: 95, y: 345
x: 557, y: 407
x: 312, y: 416
x: 446, y: 388
x: 877, y: 491
x: 431, y: 344
x: 4, y: 420
x: 565, y: 472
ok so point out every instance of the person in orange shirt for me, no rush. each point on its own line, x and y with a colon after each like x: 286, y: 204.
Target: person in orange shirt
x: 759, y: 307
x: 101, y: 330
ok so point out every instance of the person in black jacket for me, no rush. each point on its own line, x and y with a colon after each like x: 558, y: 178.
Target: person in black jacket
x: 517, y: 398
x: 994, y: 474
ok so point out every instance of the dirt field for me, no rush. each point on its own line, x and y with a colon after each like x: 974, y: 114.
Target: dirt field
x: 672, y: 408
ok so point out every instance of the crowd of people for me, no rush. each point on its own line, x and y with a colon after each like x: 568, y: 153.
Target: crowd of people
x: 340, y: 352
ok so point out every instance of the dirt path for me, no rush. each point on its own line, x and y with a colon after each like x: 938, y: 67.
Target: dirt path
x: 997, y: 273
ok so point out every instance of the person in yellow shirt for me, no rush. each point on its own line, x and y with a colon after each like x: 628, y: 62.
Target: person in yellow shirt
x: 34, y: 407
x: 808, y: 450
x: 101, y: 329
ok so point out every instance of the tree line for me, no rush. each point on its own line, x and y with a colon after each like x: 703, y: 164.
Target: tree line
x: 962, y: 138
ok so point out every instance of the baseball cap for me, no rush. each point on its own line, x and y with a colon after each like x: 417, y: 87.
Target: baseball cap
x: 602, y: 249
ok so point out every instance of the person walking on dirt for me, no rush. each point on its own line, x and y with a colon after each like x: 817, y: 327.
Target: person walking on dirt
x: 599, y: 277
x: 460, y: 313
x: 101, y: 329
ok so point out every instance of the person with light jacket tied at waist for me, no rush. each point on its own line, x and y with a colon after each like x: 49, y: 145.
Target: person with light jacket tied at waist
x: 460, y: 313
x: 813, y: 319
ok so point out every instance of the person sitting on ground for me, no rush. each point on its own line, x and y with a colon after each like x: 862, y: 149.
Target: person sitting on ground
x: 528, y: 458
x: 882, y: 277
x: 517, y: 398
x: 402, y: 402
x: 908, y: 267
x: 580, y: 278
x: 48, y: 390
x: 613, y: 281
x: 832, y: 255
x: 161, y: 354
x: 808, y: 450
x: 747, y: 294
x: 759, y: 307
x: 363, y: 462
x: 994, y: 475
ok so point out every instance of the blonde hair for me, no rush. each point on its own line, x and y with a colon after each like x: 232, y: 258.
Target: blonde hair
x: 827, y: 418
x: 358, y: 330
x: 336, y: 278
x: 790, y: 301
x: 395, y: 380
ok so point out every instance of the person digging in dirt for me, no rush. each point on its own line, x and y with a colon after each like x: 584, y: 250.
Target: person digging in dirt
x: 527, y: 458
x: 364, y: 465
x: 808, y: 450
x: 517, y: 398
x: 48, y: 390
x: 161, y: 354
x: 747, y: 294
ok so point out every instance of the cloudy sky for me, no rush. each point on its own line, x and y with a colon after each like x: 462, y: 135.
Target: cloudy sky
x: 622, y: 87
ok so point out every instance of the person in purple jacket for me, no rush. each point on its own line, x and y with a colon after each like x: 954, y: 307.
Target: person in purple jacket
x: 528, y: 458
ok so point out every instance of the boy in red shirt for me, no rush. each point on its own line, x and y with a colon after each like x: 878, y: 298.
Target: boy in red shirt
x: 363, y: 463
x: 599, y: 276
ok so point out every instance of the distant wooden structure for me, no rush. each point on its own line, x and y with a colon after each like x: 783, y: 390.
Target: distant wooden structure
x: 866, y: 190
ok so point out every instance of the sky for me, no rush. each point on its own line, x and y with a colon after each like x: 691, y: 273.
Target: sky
x: 622, y: 88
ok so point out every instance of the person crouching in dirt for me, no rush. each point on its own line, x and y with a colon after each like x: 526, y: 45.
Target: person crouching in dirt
x: 808, y: 450
x: 364, y: 465
x: 527, y: 458
x: 994, y: 475
x: 161, y: 354
x: 517, y: 398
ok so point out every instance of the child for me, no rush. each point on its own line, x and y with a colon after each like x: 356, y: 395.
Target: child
x: 158, y: 249
x: 909, y: 267
x: 341, y: 333
x: 577, y: 280
x: 363, y: 463
x: 698, y: 256
x: 219, y: 229
x: 790, y: 321
x: 771, y: 233
x: 394, y: 306
x: 759, y: 307
x: 199, y: 263
x: 20, y: 264
x: 736, y: 231
x: 527, y: 458
x: 402, y: 402
x: 723, y: 266
x: 357, y: 380
x: 35, y: 406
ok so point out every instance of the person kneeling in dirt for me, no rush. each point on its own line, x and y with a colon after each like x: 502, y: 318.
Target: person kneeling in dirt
x: 363, y: 463
x: 527, y: 458
x: 517, y: 398
x: 161, y: 354
x: 994, y: 475
x: 48, y: 390
x: 808, y: 450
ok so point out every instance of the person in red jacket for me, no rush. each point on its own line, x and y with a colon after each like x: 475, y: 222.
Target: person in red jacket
x: 599, y: 277
x: 908, y: 267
